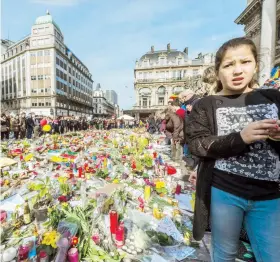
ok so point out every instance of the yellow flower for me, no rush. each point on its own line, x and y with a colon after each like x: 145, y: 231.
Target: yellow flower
x: 62, y: 179
x: 50, y: 238
x: 116, y: 181
x: 64, y: 204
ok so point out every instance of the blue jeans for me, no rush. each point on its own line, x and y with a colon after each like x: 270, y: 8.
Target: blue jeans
x: 261, y: 220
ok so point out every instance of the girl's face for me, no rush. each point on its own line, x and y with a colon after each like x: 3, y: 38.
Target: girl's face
x: 237, y: 70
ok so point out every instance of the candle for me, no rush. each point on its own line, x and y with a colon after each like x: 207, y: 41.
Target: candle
x: 120, y: 236
x: 43, y: 256
x: 23, y: 252
x: 178, y: 189
x: 73, y: 255
x: 113, y: 221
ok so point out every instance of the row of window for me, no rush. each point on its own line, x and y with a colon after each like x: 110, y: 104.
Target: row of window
x: 166, y: 74
x: 14, y: 51
x: 40, y: 42
x: 40, y: 104
x: 41, y: 53
x: 160, y: 90
x: 71, y: 71
x: 75, y: 83
x: 40, y: 77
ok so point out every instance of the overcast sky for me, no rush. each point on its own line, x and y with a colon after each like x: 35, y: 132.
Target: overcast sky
x: 109, y: 35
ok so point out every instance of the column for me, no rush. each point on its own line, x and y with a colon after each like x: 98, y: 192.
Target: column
x: 268, y: 41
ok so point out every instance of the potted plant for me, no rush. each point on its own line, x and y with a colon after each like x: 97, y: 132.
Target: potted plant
x: 42, y: 199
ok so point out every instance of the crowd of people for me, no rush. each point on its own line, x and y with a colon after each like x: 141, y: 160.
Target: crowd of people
x: 22, y: 126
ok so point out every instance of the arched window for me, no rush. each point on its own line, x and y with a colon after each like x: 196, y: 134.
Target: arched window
x: 145, y: 91
x: 161, y: 90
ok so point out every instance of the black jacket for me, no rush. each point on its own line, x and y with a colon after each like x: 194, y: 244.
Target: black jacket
x: 201, y: 134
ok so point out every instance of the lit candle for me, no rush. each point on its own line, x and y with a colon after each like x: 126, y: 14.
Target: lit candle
x: 113, y: 221
x: 120, y: 236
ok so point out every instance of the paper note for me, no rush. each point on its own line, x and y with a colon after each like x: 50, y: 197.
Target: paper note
x: 167, y: 226
x: 179, y: 252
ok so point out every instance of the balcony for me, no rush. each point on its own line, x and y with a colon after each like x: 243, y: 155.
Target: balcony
x: 159, y: 80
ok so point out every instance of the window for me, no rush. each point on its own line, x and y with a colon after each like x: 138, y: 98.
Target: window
x: 144, y: 102
x: 41, y: 103
x: 21, y: 48
x: 33, y: 54
x: 40, y: 53
x: 47, y: 52
x: 40, y: 42
x: 34, y: 104
x: 40, y: 77
x: 180, y: 61
x: 48, y: 103
x: 33, y: 77
x: 161, y: 101
x: 57, y: 61
x: 35, y: 31
x: 34, y: 43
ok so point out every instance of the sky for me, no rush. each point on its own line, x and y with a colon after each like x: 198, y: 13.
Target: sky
x: 110, y: 35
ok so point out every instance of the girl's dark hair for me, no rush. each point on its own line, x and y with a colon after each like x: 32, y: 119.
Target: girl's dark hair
x: 233, y: 43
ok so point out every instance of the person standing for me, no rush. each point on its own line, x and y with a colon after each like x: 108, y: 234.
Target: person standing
x: 15, y: 126
x: 3, y: 126
x: 22, y: 124
x: 236, y: 136
x: 29, y: 126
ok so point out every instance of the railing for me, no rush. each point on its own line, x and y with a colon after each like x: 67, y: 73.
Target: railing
x: 161, y: 80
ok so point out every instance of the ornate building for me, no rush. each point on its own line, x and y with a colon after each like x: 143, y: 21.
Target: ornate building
x: 262, y: 24
x: 159, y: 74
x: 41, y: 74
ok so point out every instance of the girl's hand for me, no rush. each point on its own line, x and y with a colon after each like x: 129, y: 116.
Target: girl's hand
x: 275, y: 134
x: 259, y: 130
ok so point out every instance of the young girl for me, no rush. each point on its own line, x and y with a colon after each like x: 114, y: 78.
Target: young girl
x: 235, y: 135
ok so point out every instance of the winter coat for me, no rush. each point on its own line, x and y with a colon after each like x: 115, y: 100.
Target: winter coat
x: 3, y: 124
x: 174, y: 125
x: 15, y: 125
x: 22, y: 123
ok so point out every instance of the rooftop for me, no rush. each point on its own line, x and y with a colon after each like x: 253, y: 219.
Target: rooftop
x: 46, y: 19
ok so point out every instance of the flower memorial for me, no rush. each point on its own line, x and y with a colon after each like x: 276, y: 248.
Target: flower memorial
x: 95, y: 196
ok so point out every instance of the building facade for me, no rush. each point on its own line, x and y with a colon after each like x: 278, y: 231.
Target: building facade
x: 261, y: 19
x: 102, y: 108
x: 159, y: 74
x: 111, y: 96
x: 40, y: 74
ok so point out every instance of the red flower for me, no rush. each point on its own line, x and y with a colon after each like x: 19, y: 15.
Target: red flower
x: 74, y: 241
x: 62, y: 199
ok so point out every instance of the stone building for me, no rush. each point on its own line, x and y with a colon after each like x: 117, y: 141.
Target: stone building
x: 41, y: 74
x: 159, y: 74
x: 102, y: 108
x: 262, y: 24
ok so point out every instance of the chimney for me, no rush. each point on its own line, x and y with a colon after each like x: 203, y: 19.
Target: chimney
x: 152, y: 49
x: 186, y: 50
x: 168, y: 47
